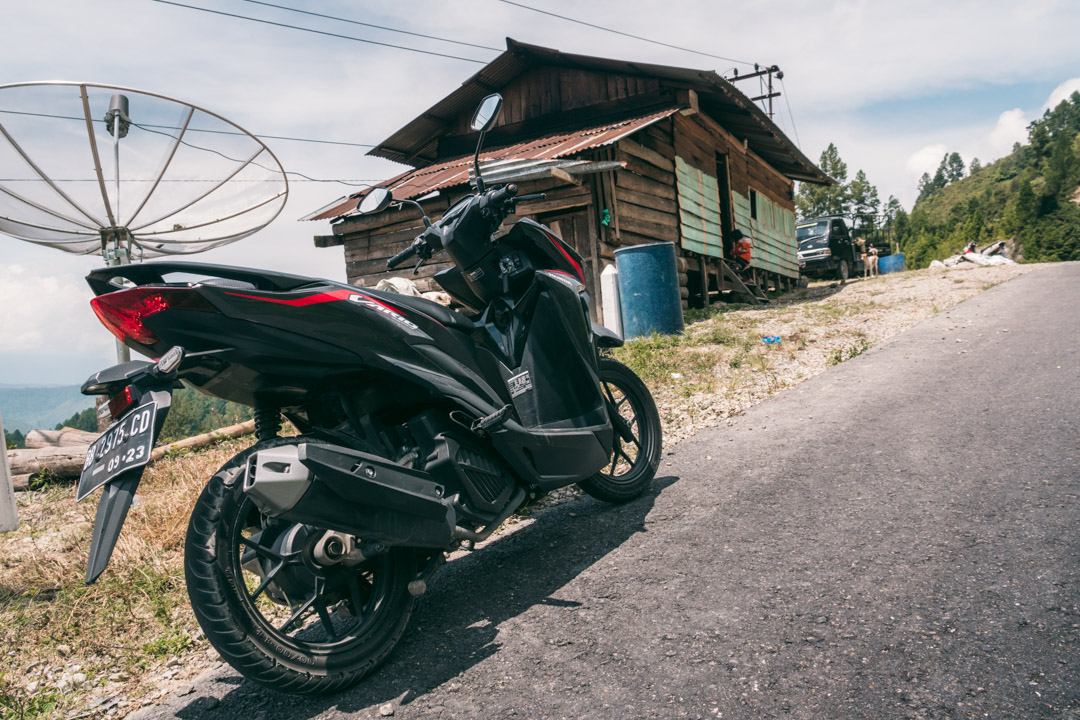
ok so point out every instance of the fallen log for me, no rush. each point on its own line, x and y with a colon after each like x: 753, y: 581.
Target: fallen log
x: 64, y: 437
x: 67, y: 462
x: 60, y: 461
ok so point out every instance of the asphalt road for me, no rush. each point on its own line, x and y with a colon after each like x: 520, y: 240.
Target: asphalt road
x: 895, y: 538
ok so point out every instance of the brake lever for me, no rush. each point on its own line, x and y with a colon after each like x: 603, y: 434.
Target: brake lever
x: 416, y: 270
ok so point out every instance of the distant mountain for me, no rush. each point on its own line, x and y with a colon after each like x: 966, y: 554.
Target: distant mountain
x: 26, y: 407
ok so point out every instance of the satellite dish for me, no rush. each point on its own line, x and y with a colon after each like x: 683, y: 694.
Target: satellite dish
x: 129, y: 174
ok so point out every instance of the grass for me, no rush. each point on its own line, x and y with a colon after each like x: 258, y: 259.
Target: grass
x: 133, y: 618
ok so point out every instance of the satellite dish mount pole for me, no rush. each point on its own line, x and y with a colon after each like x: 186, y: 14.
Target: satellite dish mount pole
x: 116, y: 241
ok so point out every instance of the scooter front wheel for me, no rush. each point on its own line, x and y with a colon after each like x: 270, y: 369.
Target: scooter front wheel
x: 638, y: 438
x: 271, y: 610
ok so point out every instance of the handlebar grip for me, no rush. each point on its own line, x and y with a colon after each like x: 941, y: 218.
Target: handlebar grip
x: 530, y: 197
x: 504, y: 193
x: 402, y: 256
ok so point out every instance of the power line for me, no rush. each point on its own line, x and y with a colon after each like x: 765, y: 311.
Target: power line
x: 320, y: 32
x: 378, y: 27
x: 191, y: 129
x: 235, y: 160
x: 619, y: 32
x: 788, y: 103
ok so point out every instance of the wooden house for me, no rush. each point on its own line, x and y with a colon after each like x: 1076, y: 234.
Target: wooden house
x: 627, y: 153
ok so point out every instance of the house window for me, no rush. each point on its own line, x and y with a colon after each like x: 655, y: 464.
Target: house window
x: 753, y: 204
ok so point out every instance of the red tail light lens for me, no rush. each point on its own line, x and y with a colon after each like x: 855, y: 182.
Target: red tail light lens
x: 123, y: 312
x: 120, y: 402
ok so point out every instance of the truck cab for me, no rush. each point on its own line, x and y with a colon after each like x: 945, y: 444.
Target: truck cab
x: 826, y: 249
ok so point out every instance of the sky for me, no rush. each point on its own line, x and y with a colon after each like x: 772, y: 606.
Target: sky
x: 895, y: 85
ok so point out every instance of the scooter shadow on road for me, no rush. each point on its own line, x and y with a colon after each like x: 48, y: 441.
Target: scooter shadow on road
x: 455, y: 624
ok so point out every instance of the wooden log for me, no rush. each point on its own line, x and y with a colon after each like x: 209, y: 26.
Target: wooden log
x: 60, y: 461
x: 64, y: 437
x: 20, y: 483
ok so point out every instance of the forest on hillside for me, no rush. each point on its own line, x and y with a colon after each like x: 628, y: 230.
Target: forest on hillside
x: 1031, y: 196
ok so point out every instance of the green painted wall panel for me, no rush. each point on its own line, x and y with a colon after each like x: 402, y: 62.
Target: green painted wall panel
x: 699, y: 210
x: 772, y: 233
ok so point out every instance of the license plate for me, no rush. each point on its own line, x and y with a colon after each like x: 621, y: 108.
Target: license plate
x: 125, y: 445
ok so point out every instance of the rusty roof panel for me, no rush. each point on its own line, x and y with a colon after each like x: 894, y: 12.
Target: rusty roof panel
x: 450, y: 173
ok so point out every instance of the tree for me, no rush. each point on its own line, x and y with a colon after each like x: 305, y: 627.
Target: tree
x: 864, y: 200
x: 85, y: 420
x: 923, y: 187
x: 974, y: 166
x: 819, y: 200
x: 954, y: 169
x: 1026, y: 209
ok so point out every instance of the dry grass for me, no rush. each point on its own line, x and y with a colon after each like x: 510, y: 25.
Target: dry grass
x: 57, y: 630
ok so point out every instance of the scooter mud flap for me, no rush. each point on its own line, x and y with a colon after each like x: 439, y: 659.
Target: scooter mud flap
x: 112, y: 510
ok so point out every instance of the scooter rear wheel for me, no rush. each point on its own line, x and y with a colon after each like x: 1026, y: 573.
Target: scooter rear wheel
x: 271, y: 610
x: 634, y: 459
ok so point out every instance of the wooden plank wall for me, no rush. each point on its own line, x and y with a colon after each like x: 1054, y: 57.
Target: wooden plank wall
x: 551, y: 90
x: 698, y: 139
x: 645, y: 196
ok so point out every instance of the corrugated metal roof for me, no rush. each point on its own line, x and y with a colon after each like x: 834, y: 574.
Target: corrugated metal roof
x: 415, y: 183
x: 416, y: 143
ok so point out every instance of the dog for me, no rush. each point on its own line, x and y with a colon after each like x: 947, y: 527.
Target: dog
x: 869, y: 259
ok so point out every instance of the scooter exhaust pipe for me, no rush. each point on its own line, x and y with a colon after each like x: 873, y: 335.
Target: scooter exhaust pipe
x: 352, y: 492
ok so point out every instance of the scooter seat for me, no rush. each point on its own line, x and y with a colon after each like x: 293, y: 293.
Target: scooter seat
x: 434, y: 310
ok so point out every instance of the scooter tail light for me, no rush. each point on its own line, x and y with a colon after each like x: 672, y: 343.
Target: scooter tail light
x: 124, y: 312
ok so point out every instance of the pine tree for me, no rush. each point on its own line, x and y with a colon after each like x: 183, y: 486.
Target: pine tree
x: 819, y: 200
x: 955, y: 168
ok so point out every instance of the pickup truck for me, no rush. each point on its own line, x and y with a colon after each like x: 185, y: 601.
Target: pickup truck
x: 826, y: 249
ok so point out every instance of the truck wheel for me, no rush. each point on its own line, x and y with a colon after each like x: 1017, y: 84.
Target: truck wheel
x: 842, y: 271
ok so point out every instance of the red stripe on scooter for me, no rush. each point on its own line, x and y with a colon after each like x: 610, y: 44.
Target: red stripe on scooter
x: 559, y: 247
x: 301, y: 302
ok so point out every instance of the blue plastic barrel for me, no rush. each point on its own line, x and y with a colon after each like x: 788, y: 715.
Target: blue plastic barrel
x: 890, y: 264
x: 649, y: 290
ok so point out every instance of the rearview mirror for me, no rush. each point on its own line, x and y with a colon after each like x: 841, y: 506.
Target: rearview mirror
x: 375, y: 201
x: 487, y: 114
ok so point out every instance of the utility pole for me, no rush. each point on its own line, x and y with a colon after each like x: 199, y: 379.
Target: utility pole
x: 9, y: 518
x: 759, y: 72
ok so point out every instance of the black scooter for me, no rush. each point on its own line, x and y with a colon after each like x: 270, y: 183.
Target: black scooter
x: 421, y: 430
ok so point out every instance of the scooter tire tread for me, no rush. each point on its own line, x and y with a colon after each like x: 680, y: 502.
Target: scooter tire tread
x: 216, y: 615
x: 603, y: 487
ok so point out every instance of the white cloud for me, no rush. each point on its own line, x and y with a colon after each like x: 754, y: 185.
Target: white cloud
x: 1061, y: 92
x: 925, y: 160
x: 1011, y: 128
x: 47, y: 314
